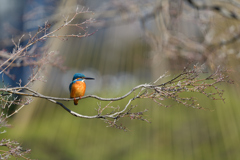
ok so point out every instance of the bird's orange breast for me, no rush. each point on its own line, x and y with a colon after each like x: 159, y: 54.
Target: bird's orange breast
x: 78, y: 89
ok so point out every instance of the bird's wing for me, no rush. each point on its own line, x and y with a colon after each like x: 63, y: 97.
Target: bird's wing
x: 70, y: 86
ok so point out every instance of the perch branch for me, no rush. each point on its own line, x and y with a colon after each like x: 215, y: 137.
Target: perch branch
x: 187, y: 81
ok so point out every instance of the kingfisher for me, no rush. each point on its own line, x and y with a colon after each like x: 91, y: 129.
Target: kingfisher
x: 77, y: 87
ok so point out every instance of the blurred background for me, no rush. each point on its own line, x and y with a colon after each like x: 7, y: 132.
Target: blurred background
x: 137, y: 41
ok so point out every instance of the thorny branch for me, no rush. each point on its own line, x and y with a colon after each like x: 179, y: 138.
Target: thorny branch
x: 188, y: 81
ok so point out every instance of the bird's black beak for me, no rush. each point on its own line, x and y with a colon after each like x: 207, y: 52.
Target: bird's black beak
x: 89, y: 78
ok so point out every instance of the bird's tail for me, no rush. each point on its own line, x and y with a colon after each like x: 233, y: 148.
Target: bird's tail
x: 75, y: 101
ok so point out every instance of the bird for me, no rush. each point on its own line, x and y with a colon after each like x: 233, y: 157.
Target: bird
x: 77, y: 87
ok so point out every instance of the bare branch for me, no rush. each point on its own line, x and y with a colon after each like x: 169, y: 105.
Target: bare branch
x: 187, y: 81
x: 42, y: 34
x: 223, y: 11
